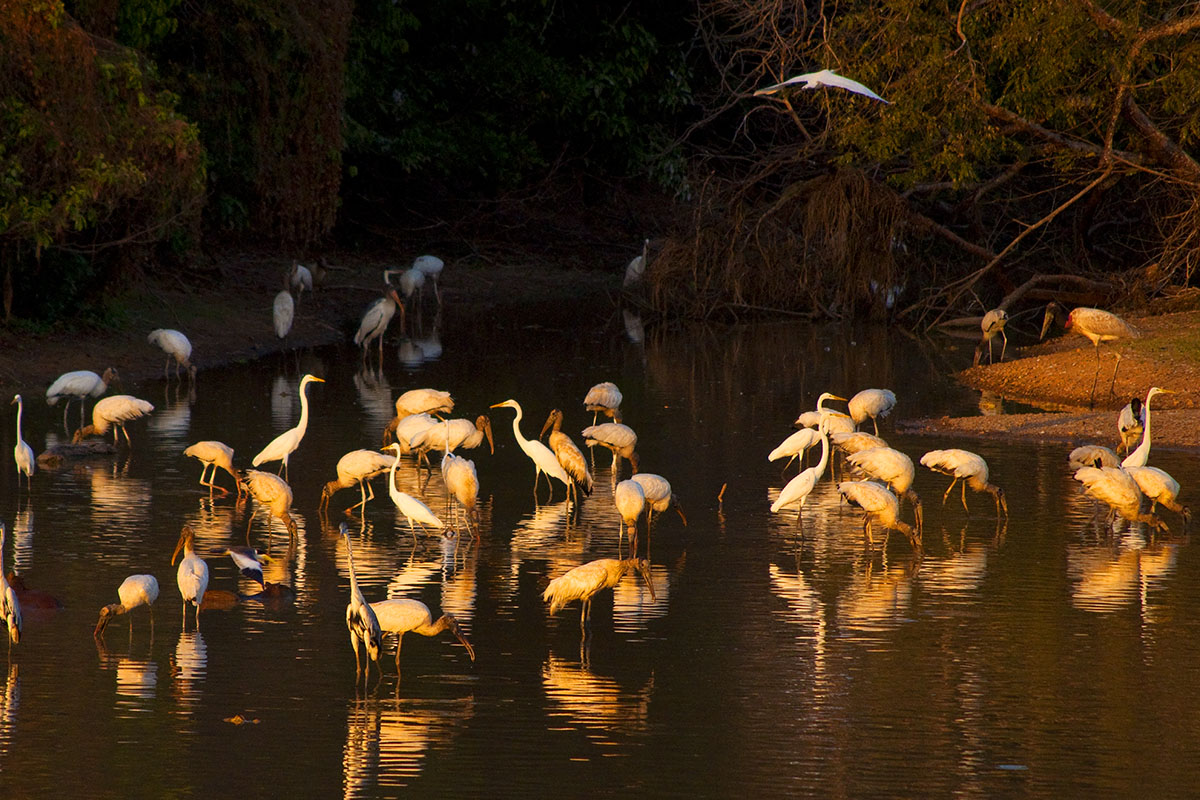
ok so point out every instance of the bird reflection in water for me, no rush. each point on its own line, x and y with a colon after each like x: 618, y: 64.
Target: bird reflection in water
x: 10, y: 700
x: 388, y: 740
x: 634, y: 604
x: 1104, y: 580
x: 877, y: 599
x: 189, y: 666
x: 137, y: 678
x: 23, y: 530
x: 596, y: 704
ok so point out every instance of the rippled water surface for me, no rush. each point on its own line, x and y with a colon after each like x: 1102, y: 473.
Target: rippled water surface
x: 1046, y: 658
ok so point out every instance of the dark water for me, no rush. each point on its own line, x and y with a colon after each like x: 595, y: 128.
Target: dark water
x: 1048, y: 658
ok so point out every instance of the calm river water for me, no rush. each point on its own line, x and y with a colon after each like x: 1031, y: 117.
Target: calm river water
x: 1049, y: 658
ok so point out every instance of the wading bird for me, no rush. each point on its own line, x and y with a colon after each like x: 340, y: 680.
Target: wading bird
x: 1130, y: 423
x: 283, y: 311
x: 192, y: 576
x: 873, y: 403
x: 585, y: 581
x: 10, y: 606
x: 248, y: 561
x: 463, y: 482
x: 851, y: 443
x: 811, y: 419
x: 431, y: 267
x: 451, y: 435
x: 993, y: 325
x: 569, y: 456
x: 375, y: 321
x: 825, y: 77
x: 300, y: 278
x: 402, y: 430
x: 604, y: 398
x: 360, y: 617
x: 543, y: 458
x: 1141, y: 455
x: 273, y: 492
x: 1160, y: 487
x: 357, y: 467
x: 618, y: 438
x: 795, y: 446
x: 22, y: 452
x: 880, y: 507
x: 134, y: 591
x: 412, y: 282
x: 969, y: 468
x: 659, y: 496
x: 113, y: 412
x: 286, y: 443
x: 798, y: 489
x: 630, y: 500
x: 894, y: 469
x: 214, y: 454
x: 1098, y: 326
x: 1089, y: 454
x: 1116, y: 488
x: 414, y: 403
x: 409, y: 506
x: 635, y: 270
x: 81, y: 384
x: 412, y: 616
x: 177, y: 347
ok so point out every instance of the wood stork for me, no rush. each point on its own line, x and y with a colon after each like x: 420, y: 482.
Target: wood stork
x: 1117, y: 488
x: 273, y: 492
x: 659, y: 496
x: 178, y: 349
x: 10, y: 606
x: 880, y: 507
x: 403, y: 616
x: 431, y: 267
x: 1141, y: 455
x: 375, y: 321
x: 1160, y: 487
x: 415, y: 402
x: 357, y: 467
x: 895, y: 469
x: 22, y: 452
x: 409, y: 506
x: 283, y: 312
x: 113, y: 412
x: 569, y: 455
x: 618, y: 438
x: 286, y: 443
x: 463, y: 482
x: 603, y: 398
x: 1130, y: 423
x: 402, y: 430
x: 851, y: 443
x: 971, y: 469
x: 630, y: 500
x: 543, y: 458
x: 192, y: 575
x: 993, y: 325
x: 585, y: 581
x: 82, y: 384
x: 360, y: 617
x: 1098, y: 326
x: 454, y: 434
x: 134, y: 591
x: 213, y: 454
x: 800, y: 487
x: 1087, y: 455
x: 873, y: 403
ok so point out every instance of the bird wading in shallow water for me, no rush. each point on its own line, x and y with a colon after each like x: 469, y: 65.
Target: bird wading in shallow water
x: 993, y: 325
x: 543, y: 458
x: 192, y: 575
x: 1130, y: 424
x: 360, y: 617
x: 214, y: 454
x: 81, y: 384
x: 22, y: 452
x: 403, y: 616
x: 585, y: 581
x: 872, y: 403
x: 113, y: 412
x: 1141, y: 454
x: 134, y: 591
x: 879, y: 507
x: 10, y: 606
x: 178, y: 349
x: 375, y: 321
x: 283, y: 445
x: 971, y: 469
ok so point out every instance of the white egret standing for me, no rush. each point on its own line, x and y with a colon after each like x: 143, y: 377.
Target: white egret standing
x: 283, y: 312
x: 114, y: 412
x: 82, y: 384
x: 585, y: 581
x: 543, y: 458
x: 800, y: 487
x: 825, y: 77
x: 214, y: 454
x: 375, y: 321
x: 409, y: 506
x: 403, y: 616
x: 968, y: 467
x: 360, y: 617
x: 177, y: 347
x: 1098, y: 326
x: 873, y: 403
x: 795, y: 446
x: 10, y: 607
x: 192, y: 575
x: 286, y: 443
x: 134, y: 591
x: 356, y: 467
x: 1141, y: 456
x: 23, y: 453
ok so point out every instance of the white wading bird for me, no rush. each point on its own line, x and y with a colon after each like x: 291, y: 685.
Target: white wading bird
x: 177, y: 347
x: 1141, y: 456
x: 412, y: 616
x: 136, y: 590
x: 286, y: 443
x: 214, y: 454
x: 192, y: 575
x: 113, y: 412
x: 585, y: 581
x: 22, y: 452
x: 825, y: 77
x: 360, y: 618
x: 543, y: 458
x: 81, y: 383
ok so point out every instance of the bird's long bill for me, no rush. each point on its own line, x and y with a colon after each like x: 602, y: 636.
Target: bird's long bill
x: 462, y: 638
x: 679, y: 510
x: 549, y: 424
x: 179, y: 546
x: 644, y: 569
x: 487, y: 431
x: 1047, y: 319
x: 102, y: 623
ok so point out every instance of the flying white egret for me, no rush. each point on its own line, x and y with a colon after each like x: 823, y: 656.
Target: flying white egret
x: 800, y: 487
x: 273, y: 492
x: 192, y: 575
x: 1141, y: 455
x: 1117, y: 488
x: 618, y: 438
x: 1088, y: 454
x: 1098, y: 326
x: 357, y: 467
x: 825, y: 77
x: 431, y: 267
x: 1130, y: 423
x: 585, y: 581
x: 403, y: 616
x: 880, y: 507
x: 375, y: 321
x: 113, y: 412
x: 82, y: 384
x: 214, y: 454
x: 409, y: 506
x: 603, y: 398
x: 971, y: 469
x: 543, y: 458
x: 993, y: 325
x: 1159, y: 487
x: 896, y: 470
x: 873, y: 403
x: 10, y: 606
x: 22, y: 452
x: 568, y: 454
x: 134, y: 591
x: 177, y: 347
x: 360, y: 617
x: 286, y: 443
x: 659, y: 496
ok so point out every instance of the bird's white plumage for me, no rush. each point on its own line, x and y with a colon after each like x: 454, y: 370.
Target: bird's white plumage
x: 630, y: 501
x: 543, y: 458
x: 453, y: 434
x: 360, y: 617
x: 273, y: 492
x: 873, y: 404
x: 968, y: 467
x: 115, y: 410
x: 1087, y: 455
x: 617, y: 437
x: 798, y: 489
x: 413, y: 509
x: 411, y: 282
x: 1112, y: 486
x: 300, y: 278
x: 825, y: 77
x: 283, y: 445
x: 1130, y: 423
x: 10, y: 606
x: 175, y: 345
x: 855, y: 441
x: 192, y: 575
x: 213, y: 454
x: 22, y: 452
x: 603, y: 398
x: 375, y: 320
x: 462, y: 480
x: 795, y: 445
x: 424, y: 401
x: 138, y: 590
x: 357, y: 468
x: 1141, y: 454
x: 992, y: 325
x: 81, y: 384
x: 1159, y: 487
x: 583, y: 582
x: 402, y: 615
x: 887, y: 465
x: 567, y: 452
x: 284, y: 310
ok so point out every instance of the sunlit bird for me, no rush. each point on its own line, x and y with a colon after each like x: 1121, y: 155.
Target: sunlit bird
x: 825, y: 77
x: 604, y: 398
x: 375, y: 321
x: 851, y: 443
x: 453, y: 434
x: 356, y: 468
x: 1098, y: 326
x: 873, y: 403
x: 585, y: 581
x: 618, y: 438
x: 659, y: 496
x: 1116, y: 488
x: 22, y: 452
x: 273, y: 492
x: 360, y: 617
x: 415, y: 402
x: 543, y: 458
x: 402, y: 430
x: 880, y: 507
x: 797, y: 490
x: 1159, y: 487
x: 431, y: 267
x: 248, y: 561
x: 971, y: 469
x: 134, y: 591
x: 82, y: 384
x: 993, y: 325
x: 630, y: 500
x: 213, y: 454
x: 192, y: 575
x: 10, y: 606
x: 1088, y: 455
x: 1130, y: 423
x: 412, y: 508
x: 463, y: 482
x: 403, y: 616
x: 568, y: 454
x: 795, y: 446
x: 177, y: 347
x: 894, y: 469
x: 283, y: 445
x: 1141, y: 454
x: 113, y: 412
